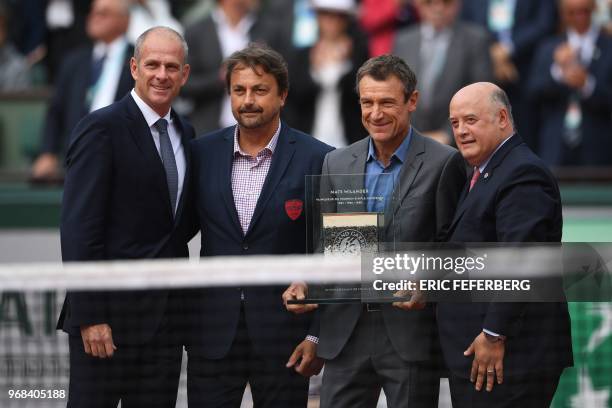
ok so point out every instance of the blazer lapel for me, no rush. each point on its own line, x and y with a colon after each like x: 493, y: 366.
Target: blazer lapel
x: 141, y: 134
x: 357, y: 166
x: 227, y: 159
x: 283, y: 153
x: 467, y: 198
x: 186, y: 142
x: 410, y: 169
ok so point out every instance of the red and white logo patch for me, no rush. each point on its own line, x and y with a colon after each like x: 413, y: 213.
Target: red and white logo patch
x: 294, y: 208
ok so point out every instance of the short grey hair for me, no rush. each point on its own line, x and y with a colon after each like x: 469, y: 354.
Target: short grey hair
x: 500, y: 98
x: 142, y: 37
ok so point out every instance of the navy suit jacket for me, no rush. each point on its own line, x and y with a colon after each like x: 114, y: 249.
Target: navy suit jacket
x: 67, y: 105
x: 116, y: 205
x: 215, y: 312
x: 553, y: 98
x: 517, y: 201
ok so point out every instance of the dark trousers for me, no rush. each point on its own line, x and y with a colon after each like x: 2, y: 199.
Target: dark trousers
x: 368, y: 363
x: 221, y: 383
x: 137, y: 375
x: 533, y: 390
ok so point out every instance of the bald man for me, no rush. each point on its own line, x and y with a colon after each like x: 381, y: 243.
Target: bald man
x: 125, y: 196
x: 502, y: 354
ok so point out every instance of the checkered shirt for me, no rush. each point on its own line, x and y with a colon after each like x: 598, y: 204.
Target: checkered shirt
x: 248, y: 177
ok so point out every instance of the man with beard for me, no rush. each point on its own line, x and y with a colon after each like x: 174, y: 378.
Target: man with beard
x: 250, y: 201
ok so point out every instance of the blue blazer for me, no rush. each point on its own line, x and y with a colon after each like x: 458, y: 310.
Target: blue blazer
x: 215, y: 311
x: 553, y: 98
x: 116, y: 205
x: 517, y: 201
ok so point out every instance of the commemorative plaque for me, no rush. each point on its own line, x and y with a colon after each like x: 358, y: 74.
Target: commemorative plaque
x: 348, y: 215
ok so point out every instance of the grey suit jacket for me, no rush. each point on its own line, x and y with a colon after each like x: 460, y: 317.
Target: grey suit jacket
x: 467, y: 61
x: 430, y: 183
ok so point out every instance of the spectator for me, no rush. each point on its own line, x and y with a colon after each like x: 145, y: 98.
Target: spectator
x: 231, y: 26
x: 66, y: 31
x: 446, y: 55
x: 323, y: 101
x: 572, y: 81
x: 14, y: 70
x: 381, y: 19
x: 90, y: 78
x: 145, y: 14
x: 517, y: 26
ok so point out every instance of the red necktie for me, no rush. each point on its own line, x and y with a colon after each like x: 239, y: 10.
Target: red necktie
x: 474, y: 177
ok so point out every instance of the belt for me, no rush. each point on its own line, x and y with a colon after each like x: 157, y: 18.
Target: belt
x: 372, y: 307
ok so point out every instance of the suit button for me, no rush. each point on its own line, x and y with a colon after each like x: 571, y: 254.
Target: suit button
x: 245, y: 247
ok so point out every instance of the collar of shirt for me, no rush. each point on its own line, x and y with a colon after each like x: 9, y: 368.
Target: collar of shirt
x: 399, y: 154
x: 486, y: 162
x: 429, y: 33
x: 149, y: 114
x: 270, y: 147
x: 584, y: 42
x: 112, y: 50
x: 243, y: 27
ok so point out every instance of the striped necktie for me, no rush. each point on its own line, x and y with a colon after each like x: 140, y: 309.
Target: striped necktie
x: 167, y: 156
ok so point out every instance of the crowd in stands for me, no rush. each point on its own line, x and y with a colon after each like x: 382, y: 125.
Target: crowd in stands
x: 553, y: 58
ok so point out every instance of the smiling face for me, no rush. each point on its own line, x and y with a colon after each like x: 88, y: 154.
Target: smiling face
x: 160, y: 71
x: 385, y: 112
x: 256, y: 101
x: 479, y: 125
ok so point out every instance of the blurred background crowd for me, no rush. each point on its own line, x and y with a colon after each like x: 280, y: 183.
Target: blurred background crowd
x: 60, y: 59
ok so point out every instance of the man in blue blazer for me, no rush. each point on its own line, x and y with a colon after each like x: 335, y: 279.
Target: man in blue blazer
x: 571, y: 81
x: 250, y: 183
x: 126, y: 189
x: 90, y: 78
x: 517, y: 351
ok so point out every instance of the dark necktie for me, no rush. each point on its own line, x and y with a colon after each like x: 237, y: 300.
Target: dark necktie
x: 96, y: 69
x: 167, y: 156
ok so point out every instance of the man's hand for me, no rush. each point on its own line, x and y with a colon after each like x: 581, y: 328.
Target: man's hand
x: 306, y: 354
x: 416, y: 302
x: 488, y: 361
x: 98, y: 340
x: 297, y: 291
x: 575, y: 76
x: 564, y: 55
x: 46, y: 167
x: 503, y: 67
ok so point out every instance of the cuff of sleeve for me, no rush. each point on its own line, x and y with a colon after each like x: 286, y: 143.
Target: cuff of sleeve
x: 556, y: 72
x: 491, y: 333
x: 589, y: 87
x: 313, y: 339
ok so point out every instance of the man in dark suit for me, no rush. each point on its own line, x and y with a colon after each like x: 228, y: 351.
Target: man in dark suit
x: 512, y: 197
x: 250, y: 182
x: 571, y: 81
x: 230, y: 26
x: 90, y: 78
x: 372, y: 346
x: 446, y: 55
x: 127, y: 186
x: 517, y: 27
